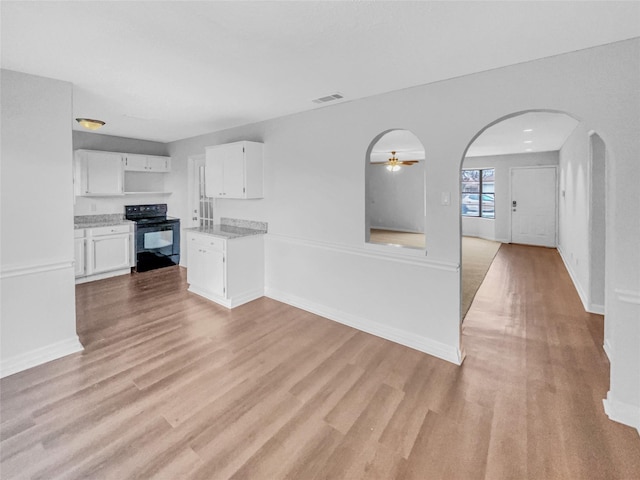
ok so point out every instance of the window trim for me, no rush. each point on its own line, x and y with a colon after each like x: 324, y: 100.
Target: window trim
x: 480, y: 192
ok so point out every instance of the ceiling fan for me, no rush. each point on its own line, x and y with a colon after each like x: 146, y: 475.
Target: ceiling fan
x: 393, y: 164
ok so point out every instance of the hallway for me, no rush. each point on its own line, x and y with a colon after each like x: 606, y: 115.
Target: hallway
x: 535, y: 357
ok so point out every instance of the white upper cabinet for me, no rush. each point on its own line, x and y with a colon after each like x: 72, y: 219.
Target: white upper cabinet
x: 99, y: 173
x: 146, y: 163
x: 234, y: 170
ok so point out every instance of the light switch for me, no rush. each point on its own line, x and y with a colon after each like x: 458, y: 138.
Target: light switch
x: 445, y: 198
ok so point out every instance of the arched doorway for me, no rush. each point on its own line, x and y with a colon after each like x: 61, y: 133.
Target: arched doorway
x: 563, y: 150
x: 395, y: 190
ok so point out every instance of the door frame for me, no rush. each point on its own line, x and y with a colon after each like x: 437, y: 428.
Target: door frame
x: 191, y: 188
x: 557, y: 198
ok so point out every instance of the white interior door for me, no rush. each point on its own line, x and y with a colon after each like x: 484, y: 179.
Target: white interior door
x: 201, y: 206
x: 534, y: 206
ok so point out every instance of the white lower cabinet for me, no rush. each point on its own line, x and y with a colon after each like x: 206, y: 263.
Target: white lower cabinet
x: 109, y: 251
x: 229, y: 272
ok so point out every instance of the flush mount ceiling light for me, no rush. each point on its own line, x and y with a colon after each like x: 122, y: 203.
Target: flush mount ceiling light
x: 89, y: 123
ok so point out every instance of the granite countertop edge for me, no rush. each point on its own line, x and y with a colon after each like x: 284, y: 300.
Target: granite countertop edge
x: 226, y: 231
x: 111, y: 223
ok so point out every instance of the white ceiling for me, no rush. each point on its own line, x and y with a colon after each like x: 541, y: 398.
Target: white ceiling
x: 170, y: 70
x: 530, y: 132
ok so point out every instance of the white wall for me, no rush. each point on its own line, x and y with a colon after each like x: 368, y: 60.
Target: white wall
x: 499, y: 229
x: 396, y: 199
x: 38, y: 295
x: 573, y: 211
x: 109, y: 143
x: 315, y: 199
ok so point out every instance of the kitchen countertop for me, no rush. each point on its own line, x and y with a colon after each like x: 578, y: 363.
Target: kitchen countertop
x: 96, y: 221
x: 227, y: 231
x: 78, y: 226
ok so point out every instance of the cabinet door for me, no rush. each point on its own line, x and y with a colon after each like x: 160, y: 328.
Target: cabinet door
x: 135, y: 163
x: 79, y: 249
x: 103, y: 174
x: 158, y: 164
x: 110, y: 252
x: 214, y: 173
x: 206, y: 269
x: 234, y: 171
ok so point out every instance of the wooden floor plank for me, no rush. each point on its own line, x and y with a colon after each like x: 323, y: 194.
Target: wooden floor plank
x: 173, y: 386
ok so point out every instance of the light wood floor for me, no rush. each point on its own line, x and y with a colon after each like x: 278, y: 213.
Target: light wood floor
x: 171, y: 386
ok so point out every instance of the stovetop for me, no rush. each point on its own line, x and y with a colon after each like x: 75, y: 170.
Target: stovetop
x: 148, y: 214
x: 154, y: 220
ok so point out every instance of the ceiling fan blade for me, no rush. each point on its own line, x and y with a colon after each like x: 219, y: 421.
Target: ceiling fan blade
x: 408, y: 162
x: 380, y: 163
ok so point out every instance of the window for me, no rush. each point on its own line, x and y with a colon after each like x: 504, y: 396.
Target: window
x: 478, y: 192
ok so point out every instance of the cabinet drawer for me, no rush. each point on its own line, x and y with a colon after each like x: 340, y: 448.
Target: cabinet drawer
x: 111, y: 230
x: 213, y: 243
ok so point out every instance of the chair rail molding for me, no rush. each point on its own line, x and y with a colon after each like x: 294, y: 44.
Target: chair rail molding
x: 21, y: 270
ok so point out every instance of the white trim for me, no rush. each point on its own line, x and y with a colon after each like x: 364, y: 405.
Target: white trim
x: 422, y: 344
x: 574, y: 279
x: 21, y: 270
x: 39, y: 356
x: 628, y: 296
x: 236, y: 301
x: 621, y: 412
x: 596, y: 308
x: 410, y: 256
x: 103, y: 275
x: 608, y: 349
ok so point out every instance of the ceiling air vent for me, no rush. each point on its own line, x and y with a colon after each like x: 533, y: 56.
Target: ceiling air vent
x: 328, y: 98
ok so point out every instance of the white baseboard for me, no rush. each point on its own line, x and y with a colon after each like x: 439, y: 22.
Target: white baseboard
x: 595, y: 308
x: 486, y: 237
x: 101, y: 276
x: 574, y: 279
x: 236, y: 301
x: 608, y: 349
x: 422, y: 344
x: 39, y: 356
x: 399, y: 230
x: 620, y: 412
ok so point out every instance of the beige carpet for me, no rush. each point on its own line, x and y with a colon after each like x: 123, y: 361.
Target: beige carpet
x: 390, y: 237
x: 477, y: 255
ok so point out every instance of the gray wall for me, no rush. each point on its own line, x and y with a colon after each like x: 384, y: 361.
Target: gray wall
x: 397, y: 198
x: 110, y: 143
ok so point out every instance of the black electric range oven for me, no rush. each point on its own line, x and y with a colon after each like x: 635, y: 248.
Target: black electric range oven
x: 157, y: 236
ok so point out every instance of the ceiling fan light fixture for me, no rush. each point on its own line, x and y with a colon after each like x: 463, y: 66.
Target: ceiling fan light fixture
x: 90, y: 123
x: 393, y: 168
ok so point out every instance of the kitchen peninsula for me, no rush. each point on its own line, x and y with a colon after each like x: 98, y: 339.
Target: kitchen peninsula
x: 226, y: 261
